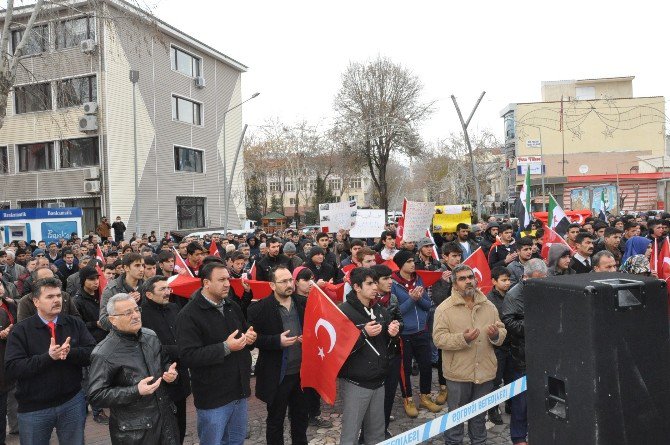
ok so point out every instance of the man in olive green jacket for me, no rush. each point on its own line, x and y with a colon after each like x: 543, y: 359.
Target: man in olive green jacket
x: 466, y: 328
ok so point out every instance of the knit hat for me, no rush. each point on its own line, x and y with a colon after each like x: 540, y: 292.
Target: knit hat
x: 401, y: 257
x: 289, y: 247
x: 87, y: 273
x: 316, y: 250
x: 38, y: 252
x: 423, y: 242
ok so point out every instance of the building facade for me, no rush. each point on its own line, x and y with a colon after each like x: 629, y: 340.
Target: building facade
x: 68, y: 138
x: 582, y: 128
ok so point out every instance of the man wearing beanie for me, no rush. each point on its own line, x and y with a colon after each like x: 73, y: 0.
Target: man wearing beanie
x: 415, y: 338
x: 323, y: 271
x: 291, y: 252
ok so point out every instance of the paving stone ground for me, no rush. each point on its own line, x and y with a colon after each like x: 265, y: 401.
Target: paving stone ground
x: 498, y: 435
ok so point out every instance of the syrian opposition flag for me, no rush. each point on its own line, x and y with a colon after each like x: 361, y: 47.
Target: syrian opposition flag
x: 551, y: 237
x: 214, y: 249
x: 524, y: 195
x: 480, y: 266
x: 328, y: 337
x: 557, y: 219
x: 179, y: 263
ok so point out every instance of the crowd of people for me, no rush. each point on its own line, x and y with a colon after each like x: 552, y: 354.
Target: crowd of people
x: 134, y: 351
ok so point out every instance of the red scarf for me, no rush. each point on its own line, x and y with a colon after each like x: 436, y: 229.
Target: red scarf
x: 5, y: 308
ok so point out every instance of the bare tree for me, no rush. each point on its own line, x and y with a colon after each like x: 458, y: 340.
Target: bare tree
x: 378, y: 106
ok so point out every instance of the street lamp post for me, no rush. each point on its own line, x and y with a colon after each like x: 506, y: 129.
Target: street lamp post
x: 134, y: 78
x: 226, y: 192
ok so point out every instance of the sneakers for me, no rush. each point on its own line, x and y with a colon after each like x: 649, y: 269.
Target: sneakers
x: 410, y: 408
x: 494, y: 416
x: 428, y: 403
x: 101, y: 418
x: 441, y: 398
x: 319, y: 422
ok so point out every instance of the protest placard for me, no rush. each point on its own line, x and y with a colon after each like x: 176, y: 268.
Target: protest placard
x: 334, y: 216
x: 369, y: 223
x: 417, y: 218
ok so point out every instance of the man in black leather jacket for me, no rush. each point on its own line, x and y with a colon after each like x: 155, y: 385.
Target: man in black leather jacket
x: 126, y: 375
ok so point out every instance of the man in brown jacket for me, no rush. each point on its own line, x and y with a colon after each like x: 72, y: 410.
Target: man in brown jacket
x: 104, y: 228
x: 466, y: 328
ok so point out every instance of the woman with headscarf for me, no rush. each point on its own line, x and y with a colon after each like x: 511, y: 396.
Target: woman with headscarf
x: 635, y: 259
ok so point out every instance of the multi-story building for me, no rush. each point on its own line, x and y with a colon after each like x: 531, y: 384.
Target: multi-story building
x: 289, y: 189
x: 68, y: 138
x: 584, y: 128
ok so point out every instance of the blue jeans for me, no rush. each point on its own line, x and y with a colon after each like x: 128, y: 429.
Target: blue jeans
x: 225, y: 425
x: 518, y: 424
x: 69, y: 419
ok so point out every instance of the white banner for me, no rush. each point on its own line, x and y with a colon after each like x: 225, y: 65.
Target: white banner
x: 370, y: 223
x: 334, y: 216
x: 418, y: 217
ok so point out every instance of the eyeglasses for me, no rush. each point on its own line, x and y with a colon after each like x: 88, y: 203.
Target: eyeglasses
x: 282, y: 282
x: 129, y: 313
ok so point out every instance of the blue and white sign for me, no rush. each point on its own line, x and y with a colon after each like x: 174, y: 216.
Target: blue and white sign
x: 55, y: 230
x: 55, y: 213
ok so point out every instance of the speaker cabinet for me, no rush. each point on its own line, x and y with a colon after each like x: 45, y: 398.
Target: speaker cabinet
x: 598, y: 360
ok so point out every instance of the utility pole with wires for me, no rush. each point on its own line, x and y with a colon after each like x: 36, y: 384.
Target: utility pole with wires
x: 464, y: 125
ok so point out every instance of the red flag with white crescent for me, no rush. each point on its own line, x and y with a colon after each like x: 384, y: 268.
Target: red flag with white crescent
x: 179, y: 263
x: 328, y: 337
x: 480, y: 266
x: 99, y: 255
x: 214, y: 249
x: 184, y: 285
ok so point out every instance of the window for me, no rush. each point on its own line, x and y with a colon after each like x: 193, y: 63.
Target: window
x: 69, y: 33
x: 184, y: 62
x: 274, y: 186
x: 302, y: 184
x: 34, y: 97
x: 34, y: 157
x: 185, y: 110
x: 190, y: 212
x: 73, y: 92
x: 355, y: 183
x: 81, y: 152
x: 585, y: 93
x: 288, y: 186
x: 335, y: 184
x: 38, y: 41
x: 4, y: 160
x: 292, y: 201
x: 312, y: 185
x: 187, y: 160
x: 352, y: 197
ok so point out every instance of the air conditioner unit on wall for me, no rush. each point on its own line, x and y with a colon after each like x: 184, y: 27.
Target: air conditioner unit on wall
x: 199, y: 82
x: 88, y: 123
x: 87, y: 46
x: 92, y: 186
x: 90, y: 107
x: 92, y: 173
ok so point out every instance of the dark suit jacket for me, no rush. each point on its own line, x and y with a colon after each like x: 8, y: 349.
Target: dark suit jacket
x: 578, y: 266
x: 264, y: 316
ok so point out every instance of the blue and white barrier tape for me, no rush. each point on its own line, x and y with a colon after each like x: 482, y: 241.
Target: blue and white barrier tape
x: 441, y: 424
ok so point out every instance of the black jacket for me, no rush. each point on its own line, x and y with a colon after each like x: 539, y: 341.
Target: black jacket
x: 441, y: 290
x: 118, y: 364
x: 267, y: 263
x: 513, y: 317
x: 44, y: 382
x: 64, y: 273
x: 497, y: 299
x: 497, y: 254
x: 162, y: 319
x: 216, y: 378
x: 5, y: 321
x: 364, y: 367
x: 325, y: 272
x: 433, y: 264
x: 266, y: 319
x: 579, y: 267
x: 390, y: 302
x: 89, y: 309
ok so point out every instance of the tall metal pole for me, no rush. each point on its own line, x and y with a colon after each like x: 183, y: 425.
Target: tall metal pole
x: 544, y: 197
x: 464, y: 125
x: 134, y: 77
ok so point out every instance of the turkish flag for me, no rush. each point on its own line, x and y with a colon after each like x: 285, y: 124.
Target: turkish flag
x: 551, y: 237
x: 252, y: 271
x: 184, y: 285
x: 260, y: 289
x: 179, y: 263
x: 99, y: 255
x: 391, y: 265
x: 101, y: 278
x: 480, y: 266
x: 663, y: 265
x: 214, y: 249
x: 238, y: 289
x: 334, y: 291
x: 348, y: 268
x: 429, y: 277
x: 328, y: 337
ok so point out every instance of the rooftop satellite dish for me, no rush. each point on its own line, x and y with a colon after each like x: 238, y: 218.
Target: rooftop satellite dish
x: 583, y: 169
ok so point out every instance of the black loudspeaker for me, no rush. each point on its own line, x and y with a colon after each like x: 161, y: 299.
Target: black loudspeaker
x: 598, y: 360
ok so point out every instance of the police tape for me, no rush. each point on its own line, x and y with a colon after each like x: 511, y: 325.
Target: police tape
x: 441, y: 424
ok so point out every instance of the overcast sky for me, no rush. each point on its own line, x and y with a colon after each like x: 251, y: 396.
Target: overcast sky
x: 297, y: 50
